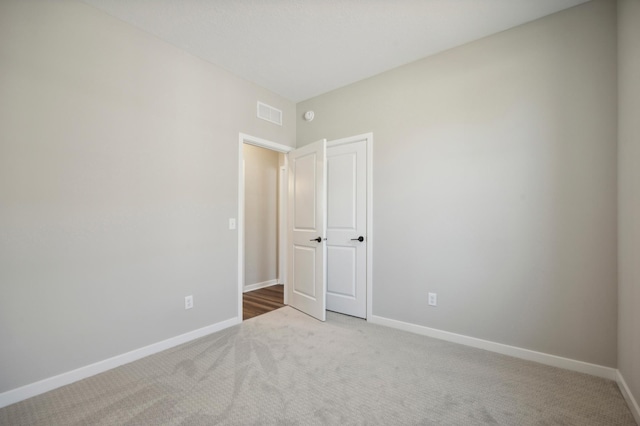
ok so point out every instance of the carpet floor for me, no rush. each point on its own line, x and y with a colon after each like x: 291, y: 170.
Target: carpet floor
x: 286, y: 368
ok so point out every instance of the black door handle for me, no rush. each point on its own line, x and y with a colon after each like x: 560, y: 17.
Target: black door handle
x: 317, y: 240
x: 360, y: 238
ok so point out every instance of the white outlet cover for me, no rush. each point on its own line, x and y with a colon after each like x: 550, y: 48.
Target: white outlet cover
x: 232, y: 223
x: 433, y: 299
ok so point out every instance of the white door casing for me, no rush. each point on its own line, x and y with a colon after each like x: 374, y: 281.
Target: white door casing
x: 346, y: 227
x: 307, y: 249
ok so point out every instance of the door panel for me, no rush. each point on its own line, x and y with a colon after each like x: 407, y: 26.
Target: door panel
x: 346, y: 221
x: 341, y: 199
x: 342, y: 274
x: 304, y: 259
x: 305, y: 194
x: 307, y: 260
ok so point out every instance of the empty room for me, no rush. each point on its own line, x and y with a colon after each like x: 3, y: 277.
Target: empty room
x: 453, y: 214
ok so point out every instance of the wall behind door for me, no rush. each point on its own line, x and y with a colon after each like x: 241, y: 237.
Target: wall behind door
x: 261, y: 217
x: 494, y: 184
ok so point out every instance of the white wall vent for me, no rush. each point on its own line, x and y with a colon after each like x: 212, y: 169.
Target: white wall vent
x: 269, y: 113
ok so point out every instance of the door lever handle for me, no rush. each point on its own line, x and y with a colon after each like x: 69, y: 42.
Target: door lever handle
x: 360, y: 238
x: 317, y: 240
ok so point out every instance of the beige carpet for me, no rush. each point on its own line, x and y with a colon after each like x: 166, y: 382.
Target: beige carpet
x: 285, y: 368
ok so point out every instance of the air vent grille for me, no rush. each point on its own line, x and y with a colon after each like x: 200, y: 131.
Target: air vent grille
x: 269, y: 113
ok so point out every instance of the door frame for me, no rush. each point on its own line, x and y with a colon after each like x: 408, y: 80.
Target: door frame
x: 368, y: 138
x: 282, y: 214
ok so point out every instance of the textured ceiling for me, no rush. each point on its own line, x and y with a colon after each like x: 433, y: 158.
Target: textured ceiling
x: 303, y: 48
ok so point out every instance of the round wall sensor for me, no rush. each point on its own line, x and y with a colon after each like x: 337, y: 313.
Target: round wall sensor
x: 309, y: 115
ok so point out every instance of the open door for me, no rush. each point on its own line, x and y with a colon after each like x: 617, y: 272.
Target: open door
x: 307, y: 252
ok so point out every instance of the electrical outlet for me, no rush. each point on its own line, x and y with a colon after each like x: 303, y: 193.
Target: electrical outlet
x: 232, y: 223
x: 433, y: 299
x: 188, y: 302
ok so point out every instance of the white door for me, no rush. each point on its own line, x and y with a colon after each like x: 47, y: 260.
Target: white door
x: 347, y: 228
x: 307, y: 260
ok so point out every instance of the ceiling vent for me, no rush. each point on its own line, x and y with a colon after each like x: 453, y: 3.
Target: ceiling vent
x: 269, y: 113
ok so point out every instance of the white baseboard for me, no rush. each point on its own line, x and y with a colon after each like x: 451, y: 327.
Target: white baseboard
x: 529, y: 355
x: 37, y: 388
x: 257, y: 286
x: 628, y: 396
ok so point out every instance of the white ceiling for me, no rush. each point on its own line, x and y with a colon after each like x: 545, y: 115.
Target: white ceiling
x: 303, y: 48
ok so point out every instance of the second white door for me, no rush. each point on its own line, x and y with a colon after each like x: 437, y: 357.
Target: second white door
x: 347, y: 228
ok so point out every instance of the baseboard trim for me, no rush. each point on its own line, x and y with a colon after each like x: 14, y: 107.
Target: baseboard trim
x: 529, y: 355
x: 628, y: 396
x: 42, y: 386
x: 258, y: 286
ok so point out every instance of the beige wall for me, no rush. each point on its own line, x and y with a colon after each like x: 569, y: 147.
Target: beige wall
x: 118, y: 173
x: 629, y: 193
x: 495, y: 184
x: 260, y: 215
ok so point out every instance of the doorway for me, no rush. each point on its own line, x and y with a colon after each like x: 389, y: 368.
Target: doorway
x: 261, y: 225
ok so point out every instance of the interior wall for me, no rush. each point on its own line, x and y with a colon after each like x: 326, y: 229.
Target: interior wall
x: 495, y: 184
x: 261, y: 215
x: 629, y: 194
x: 118, y: 174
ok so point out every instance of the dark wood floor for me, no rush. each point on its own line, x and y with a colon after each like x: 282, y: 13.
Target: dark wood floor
x: 261, y: 301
